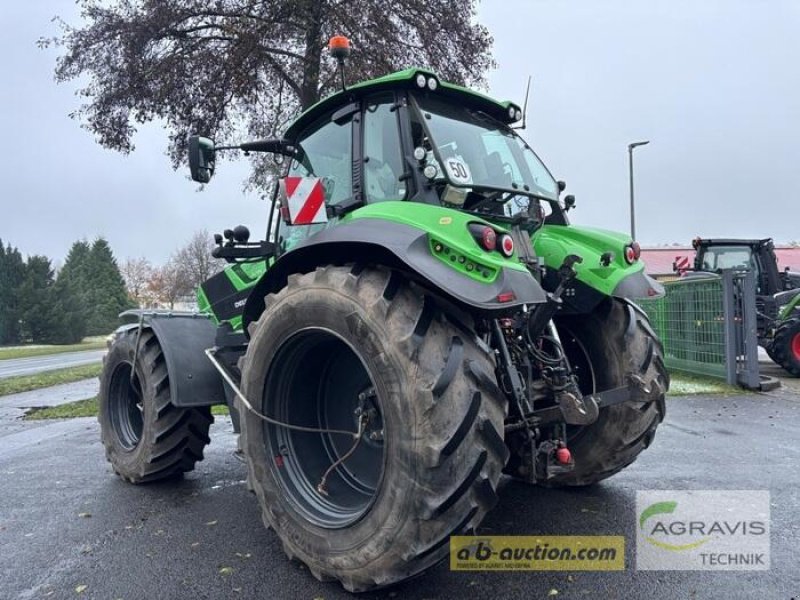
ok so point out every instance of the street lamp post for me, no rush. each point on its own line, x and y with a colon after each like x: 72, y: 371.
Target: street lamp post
x: 630, y: 173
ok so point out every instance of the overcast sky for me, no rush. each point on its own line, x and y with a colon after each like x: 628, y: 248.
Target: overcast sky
x: 714, y: 85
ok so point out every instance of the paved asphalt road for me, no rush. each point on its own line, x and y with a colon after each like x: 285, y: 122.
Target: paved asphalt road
x: 36, y: 364
x: 170, y: 540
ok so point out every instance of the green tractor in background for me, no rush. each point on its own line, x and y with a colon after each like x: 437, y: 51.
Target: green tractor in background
x: 422, y: 319
x: 777, y: 292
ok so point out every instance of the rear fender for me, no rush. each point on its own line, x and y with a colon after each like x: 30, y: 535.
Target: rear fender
x: 183, y: 337
x: 407, y: 248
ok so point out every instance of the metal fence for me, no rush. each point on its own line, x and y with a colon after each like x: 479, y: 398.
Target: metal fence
x: 708, y: 326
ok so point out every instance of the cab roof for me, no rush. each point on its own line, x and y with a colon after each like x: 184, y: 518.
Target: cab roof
x: 405, y: 79
x: 697, y: 242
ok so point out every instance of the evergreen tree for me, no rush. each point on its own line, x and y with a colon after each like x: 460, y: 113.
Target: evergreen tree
x: 12, y: 271
x: 36, y: 315
x: 69, y: 313
x: 72, y: 294
x: 104, y: 290
x: 75, y: 271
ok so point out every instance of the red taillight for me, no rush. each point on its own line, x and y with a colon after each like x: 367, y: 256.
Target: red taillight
x: 506, y: 245
x: 631, y: 254
x: 506, y: 297
x: 637, y: 250
x: 488, y: 239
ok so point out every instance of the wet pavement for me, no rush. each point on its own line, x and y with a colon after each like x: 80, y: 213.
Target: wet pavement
x: 13, y: 367
x: 66, y: 521
x: 14, y: 406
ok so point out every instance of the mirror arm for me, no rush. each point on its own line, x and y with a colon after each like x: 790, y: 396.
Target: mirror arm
x: 273, y: 146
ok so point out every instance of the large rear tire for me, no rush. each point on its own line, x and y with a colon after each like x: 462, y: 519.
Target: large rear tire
x: 145, y: 436
x: 786, y: 346
x: 605, y: 348
x: 427, y: 465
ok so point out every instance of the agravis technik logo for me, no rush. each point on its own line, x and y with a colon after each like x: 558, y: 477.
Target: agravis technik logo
x: 702, y: 530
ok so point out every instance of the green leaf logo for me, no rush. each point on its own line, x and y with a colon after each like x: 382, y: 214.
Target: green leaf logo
x: 661, y: 508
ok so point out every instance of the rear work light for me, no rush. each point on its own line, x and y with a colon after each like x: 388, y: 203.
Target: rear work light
x: 488, y: 239
x: 632, y: 252
x: 484, y: 235
x: 506, y: 245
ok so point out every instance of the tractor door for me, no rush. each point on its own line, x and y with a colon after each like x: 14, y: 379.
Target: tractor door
x: 384, y: 172
x: 769, y: 280
x: 325, y: 151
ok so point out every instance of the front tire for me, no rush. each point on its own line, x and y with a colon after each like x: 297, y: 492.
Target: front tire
x: 428, y: 465
x: 786, y: 347
x: 145, y: 436
x: 605, y: 348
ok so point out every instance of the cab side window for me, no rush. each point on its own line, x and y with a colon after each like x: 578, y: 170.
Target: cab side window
x: 326, y: 151
x: 383, y: 160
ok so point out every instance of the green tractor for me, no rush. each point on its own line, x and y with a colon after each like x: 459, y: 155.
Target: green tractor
x: 421, y: 320
x: 777, y: 292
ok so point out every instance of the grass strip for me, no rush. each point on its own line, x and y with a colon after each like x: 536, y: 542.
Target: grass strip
x: 86, y: 408
x: 80, y: 408
x: 26, y: 383
x: 23, y: 352
x: 682, y: 384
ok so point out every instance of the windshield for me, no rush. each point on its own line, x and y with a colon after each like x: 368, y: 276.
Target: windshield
x: 727, y: 257
x: 475, y: 150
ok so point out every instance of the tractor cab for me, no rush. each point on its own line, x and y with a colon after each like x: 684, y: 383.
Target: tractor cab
x: 714, y: 255
x: 409, y: 136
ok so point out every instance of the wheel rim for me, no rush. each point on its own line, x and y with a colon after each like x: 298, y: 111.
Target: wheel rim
x: 796, y: 346
x: 319, y: 380
x: 125, y: 407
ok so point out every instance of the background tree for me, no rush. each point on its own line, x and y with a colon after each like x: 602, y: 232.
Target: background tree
x: 35, y: 295
x: 195, y: 260
x: 12, y: 271
x: 223, y: 66
x: 69, y: 322
x: 137, y: 272
x: 105, y: 293
x: 168, y: 284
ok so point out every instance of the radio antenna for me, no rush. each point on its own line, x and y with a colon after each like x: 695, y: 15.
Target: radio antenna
x: 525, y: 106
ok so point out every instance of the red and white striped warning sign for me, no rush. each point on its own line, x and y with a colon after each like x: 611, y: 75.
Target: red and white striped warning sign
x: 305, y: 199
x: 681, y: 264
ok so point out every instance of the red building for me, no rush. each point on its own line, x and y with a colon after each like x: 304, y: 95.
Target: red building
x: 658, y: 261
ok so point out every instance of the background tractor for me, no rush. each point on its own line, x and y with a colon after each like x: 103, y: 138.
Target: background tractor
x: 777, y: 292
x: 420, y: 319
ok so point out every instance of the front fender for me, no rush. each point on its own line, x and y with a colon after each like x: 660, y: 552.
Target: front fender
x: 553, y: 243
x: 490, y: 284
x: 183, y: 337
x: 789, y: 302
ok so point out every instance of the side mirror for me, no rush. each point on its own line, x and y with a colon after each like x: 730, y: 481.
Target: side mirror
x: 562, y: 185
x: 201, y: 158
x: 569, y: 202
